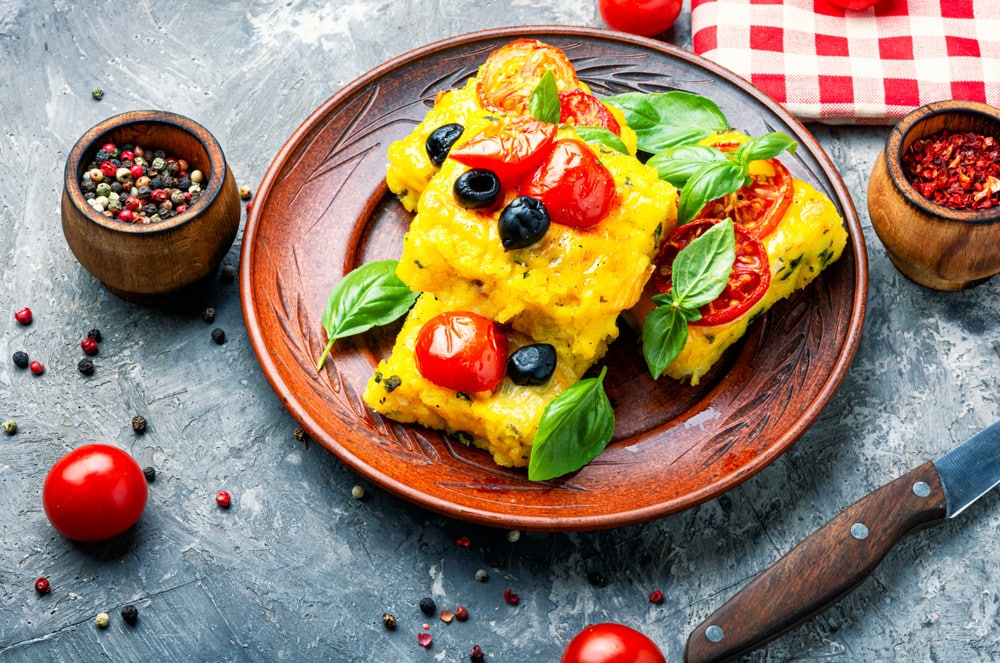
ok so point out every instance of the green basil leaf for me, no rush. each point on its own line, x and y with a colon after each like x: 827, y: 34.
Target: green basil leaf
x: 664, y: 333
x: 677, y: 164
x: 367, y: 296
x: 544, y: 102
x: 575, y: 427
x: 701, y: 269
x: 711, y: 181
x: 669, y: 118
x: 766, y: 147
x: 601, y: 136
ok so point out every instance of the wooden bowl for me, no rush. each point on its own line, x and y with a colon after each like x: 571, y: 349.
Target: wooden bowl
x: 934, y: 245
x: 155, y: 262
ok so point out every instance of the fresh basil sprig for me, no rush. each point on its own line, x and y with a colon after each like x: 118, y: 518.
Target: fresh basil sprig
x: 575, y: 427
x: 367, y: 296
x: 544, y: 102
x: 670, y: 118
x: 698, y: 276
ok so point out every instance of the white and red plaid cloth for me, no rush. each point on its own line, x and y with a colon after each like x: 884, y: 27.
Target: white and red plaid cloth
x: 855, y: 67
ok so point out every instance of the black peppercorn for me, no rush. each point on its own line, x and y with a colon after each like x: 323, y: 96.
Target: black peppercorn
x: 596, y: 578
x: 228, y: 274
x: 219, y: 335
x: 208, y: 315
x: 85, y: 366
x: 139, y: 424
x: 150, y: 473
x: 389, y: 621
x: 21, y: 359
x: 427, y: 606
x: 95, y: 334
x: 130, y: 614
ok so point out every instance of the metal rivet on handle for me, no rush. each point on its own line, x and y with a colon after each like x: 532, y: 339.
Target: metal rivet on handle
x: 859, y: 531
x: 714, y: 633
x: 921, y: 489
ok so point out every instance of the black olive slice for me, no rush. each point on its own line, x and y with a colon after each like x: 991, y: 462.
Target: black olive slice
x: 439, y: 142
x: 531, y: 364
x: 477, y: 188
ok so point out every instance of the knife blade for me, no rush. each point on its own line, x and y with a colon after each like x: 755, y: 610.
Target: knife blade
x: 835, y: 559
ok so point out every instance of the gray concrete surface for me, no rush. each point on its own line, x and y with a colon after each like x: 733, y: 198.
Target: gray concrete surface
x: 299, y: 570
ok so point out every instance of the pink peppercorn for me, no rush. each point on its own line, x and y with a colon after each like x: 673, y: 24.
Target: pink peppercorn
x: 127, y: 155
x: 23, y: 316
x: 424, y: 639
x: 477, y: 655
x: 126, y: 216
x: 137, y: 171
x: 510, y: 597
x: 223, y: 499
x: 89, y: 346
x: 463, y: 541
x: 42, y: 586
x: 656, y: 596
x: 109, y: 169
x: 36, y: 367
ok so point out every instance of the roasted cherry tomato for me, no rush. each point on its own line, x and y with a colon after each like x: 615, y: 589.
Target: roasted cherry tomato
x: 748, y: 281
x: 510, y: 149
x: 572, y: 183
x: 640, y: 17
x: 585, y: 110
x: 461, y: 351
x: 759, y: 206
x: 611, y: 643
x: 94, y: 492
x: 509, y: 76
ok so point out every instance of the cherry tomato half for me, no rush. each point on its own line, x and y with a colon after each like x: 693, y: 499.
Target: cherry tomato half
x: 572, y: 183
x: 611, y: 643
x: 510, y: 149
x: 585, y: 110
x: 461, y: 351
x: 748, y: 281
x: 94, y: 492
x: 509, y: 76
x: 759, y: 206
x: 640, y: 17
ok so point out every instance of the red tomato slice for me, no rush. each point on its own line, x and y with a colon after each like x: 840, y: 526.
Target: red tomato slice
x: 509, y: 76
x: 759, y: 206
x: 611, y: 643
x: 461, y: 351
x: 510, y: 149
x: 748, y: 281
x: 575, y: 187
x: 585, y: 110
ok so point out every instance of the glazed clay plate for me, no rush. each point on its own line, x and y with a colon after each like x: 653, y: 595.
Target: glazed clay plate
x: 324, y: 209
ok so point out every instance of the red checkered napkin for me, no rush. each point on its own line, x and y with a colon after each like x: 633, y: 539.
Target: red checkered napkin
x: 865, y: 67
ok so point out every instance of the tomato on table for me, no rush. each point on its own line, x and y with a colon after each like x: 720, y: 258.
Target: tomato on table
x: 611, y: 643
x: 94, y: 492
x: 509, y: 76
x: 510, y: 149
x: 748, y: 281
x: 640, y: 17
x: 575, y: 187
x: 759, y: 206
x: 585, y: 110
x: 461, y: 350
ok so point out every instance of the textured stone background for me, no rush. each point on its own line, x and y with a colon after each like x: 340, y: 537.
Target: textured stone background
x: 298, y: 569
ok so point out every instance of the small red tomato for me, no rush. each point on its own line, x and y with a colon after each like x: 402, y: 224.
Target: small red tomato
x: 640, y: 17
x: 23, y: 316
x: 853, y: 5
x: 461, y: 351
x: 94, y: 492
x: 611, y: 643
x: 575, y: 187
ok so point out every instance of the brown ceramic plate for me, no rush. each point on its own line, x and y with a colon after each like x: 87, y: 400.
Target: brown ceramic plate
x: 323, y: 209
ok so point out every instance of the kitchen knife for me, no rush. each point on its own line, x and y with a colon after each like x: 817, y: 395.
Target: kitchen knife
x: 834, y: 560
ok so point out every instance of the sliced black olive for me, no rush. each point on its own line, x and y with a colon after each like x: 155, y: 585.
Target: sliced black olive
x: 477, y: 188
x: 439, y: 143
x: 531, y: 364
x: 523, y: 222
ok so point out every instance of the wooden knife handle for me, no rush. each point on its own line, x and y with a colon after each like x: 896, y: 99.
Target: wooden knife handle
x: 822, y: 569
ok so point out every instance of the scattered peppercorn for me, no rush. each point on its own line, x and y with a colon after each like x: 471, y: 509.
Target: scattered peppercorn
x: 21, y: 359
x: 97, y: 93
x: 130, y: 614
x: 425, y: 639
x: 42, y: 586
x: 447, y: 616
x: 482, y: 575
x: 36, y: 367
x: 596, y: 578
x: 23, y: 316
x: 89, y: 346
x: 219, y: 336
x: 246, y: 192
x: 510, y: 597
x: 477, y: 655
x: 95, y: 334
x: 85, y: 366
x: 208, y: 315
x: 461, y: 613
x: 463, y: 542
x: 223, y: 499
x: 299, y: 433
x: 10, y: 426
x: 228, y: 274
x: 389, y: 621
x: 139, y: 424
x: 357, y: 492
x: 427, y: 606
x: 656, y: 596
x: 102, y: 620
x: 150, y: 473
x: 513, y: 536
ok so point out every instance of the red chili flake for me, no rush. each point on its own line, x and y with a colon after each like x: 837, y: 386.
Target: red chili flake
x: 957, y: 170
x: 223, y: 499
x: 425, y: 639
x: 656, y: 596
x: 461, y: 613
x: 463, y: 541
x: 23, y: 316
x: 477, y: 655
x: 42, y: 586
x: 510, y: 597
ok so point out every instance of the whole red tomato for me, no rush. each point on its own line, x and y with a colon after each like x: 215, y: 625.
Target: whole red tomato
x: 640, y: 17
x: 94, y: 492
x: 462, y: 351
x: 611, y: 643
